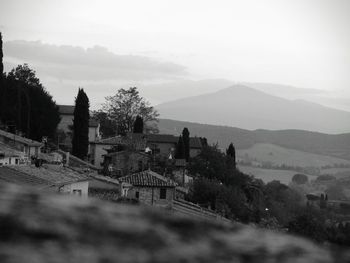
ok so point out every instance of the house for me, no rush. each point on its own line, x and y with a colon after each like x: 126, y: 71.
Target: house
x: 125, y: 162
x: 27, y: 146
x: 53, y: 178
x: 165, y: 144
x: 10, y: 156
x: 149, y: 188
x: 67, y: 115
x: 158, y: 144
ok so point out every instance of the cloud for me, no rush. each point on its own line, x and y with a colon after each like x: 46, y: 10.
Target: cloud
x: 92, y: 64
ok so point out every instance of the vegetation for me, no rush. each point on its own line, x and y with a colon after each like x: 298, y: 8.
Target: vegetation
x: 186, y: 141
x: 180, y: 149
x: 138, y: 125
x: 80, y: 141
x: 26, y: 106
x: 120, y: 111
x: 300, y: 179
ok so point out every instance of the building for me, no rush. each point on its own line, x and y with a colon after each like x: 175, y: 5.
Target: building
x: 149, y: 188
x: 67, y: 115
x: 27, y: 146
x: 158, y: 144
x: 125, y: 162
x: 52, y: 178
x: 10, y: 156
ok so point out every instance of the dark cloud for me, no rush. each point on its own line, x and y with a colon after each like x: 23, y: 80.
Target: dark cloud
x: 92, y: 64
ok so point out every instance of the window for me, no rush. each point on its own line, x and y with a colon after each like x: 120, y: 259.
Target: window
x: 137, y: 195
x: 162, y: 194
x: 77, y: 192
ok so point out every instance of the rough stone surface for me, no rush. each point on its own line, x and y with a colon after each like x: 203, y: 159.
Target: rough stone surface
x: 44, y: 227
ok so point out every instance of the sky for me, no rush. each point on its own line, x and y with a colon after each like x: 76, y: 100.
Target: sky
x: 105, y: 44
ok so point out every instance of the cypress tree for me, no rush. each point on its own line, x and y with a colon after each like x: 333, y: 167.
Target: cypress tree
x: 231, y: 152
x: 186, y: 140
x: 80, y: 141
x: 180, y: 149
x: 1, y: 57
x: 138, y: 125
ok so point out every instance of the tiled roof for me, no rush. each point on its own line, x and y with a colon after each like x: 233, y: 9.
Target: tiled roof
x: 8, y: 151
x: 147, y: 178
x: 111, y: 140
x: 55, y: 176
x: 165, y: 138
x: 20, y: 139
x: 13, y: 176
x: 66, y: 109
x: 195, y: 143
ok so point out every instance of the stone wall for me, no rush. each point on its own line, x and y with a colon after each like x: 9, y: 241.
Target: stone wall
x: 37, y: 228
x: 151, y: 196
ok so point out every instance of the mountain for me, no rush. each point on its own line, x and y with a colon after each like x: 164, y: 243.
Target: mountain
x: 313, y: 142
x: 248, y: 108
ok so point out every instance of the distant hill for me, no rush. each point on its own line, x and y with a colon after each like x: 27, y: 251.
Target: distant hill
x: 312, y: 142
x: 241, y: 106
x: 277, y: 156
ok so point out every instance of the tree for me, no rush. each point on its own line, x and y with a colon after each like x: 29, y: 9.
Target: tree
x: 125, y: 106
x: 138, y: 125
x: 80, y: 141
x: 180, y: 149
x: 299, y: 179
x: 108, y: 127
x: 1, y: 57
x: 186, y: 140
x: 231, y: 153
x: 27, y: 105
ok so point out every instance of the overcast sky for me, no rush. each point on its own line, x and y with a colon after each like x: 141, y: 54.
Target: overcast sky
x: 101, y: 44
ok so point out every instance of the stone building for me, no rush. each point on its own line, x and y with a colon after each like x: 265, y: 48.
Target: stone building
x: 27, y: 146
x: 125, y: 162
x: 52, y: 178
x: 67, y: 115
x: 150, y: 188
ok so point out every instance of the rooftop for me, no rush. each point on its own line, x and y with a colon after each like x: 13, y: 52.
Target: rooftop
x: 55, y: 175
x: 148, y: 178
x: 8, y: 151
x: 14, y: 137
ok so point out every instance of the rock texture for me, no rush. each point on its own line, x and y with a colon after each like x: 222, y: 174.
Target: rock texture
x: 43, y: 227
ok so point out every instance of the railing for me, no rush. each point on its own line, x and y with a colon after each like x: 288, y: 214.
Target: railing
x: 191, y: 209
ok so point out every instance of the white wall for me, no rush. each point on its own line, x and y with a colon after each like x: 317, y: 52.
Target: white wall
x: 78, y: 188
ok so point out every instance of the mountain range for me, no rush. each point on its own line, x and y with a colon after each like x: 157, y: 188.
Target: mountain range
x: 248, y: 108
x: 312, y: 142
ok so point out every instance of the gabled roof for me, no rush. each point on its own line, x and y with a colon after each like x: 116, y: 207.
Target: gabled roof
x: 148, y: 179
x: 9, y: 175
x: 66, y: 109
x: 162, y: 138
x: 111, y: 140
x: 20, y: 139
x: 54, y: 176
x: 9, y: 152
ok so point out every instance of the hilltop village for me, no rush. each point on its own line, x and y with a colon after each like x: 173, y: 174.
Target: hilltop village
x: 116, y: 154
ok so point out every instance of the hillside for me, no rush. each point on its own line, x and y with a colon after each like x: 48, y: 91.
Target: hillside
x: 277, y: 156
x: 305, y: 141
x: 241, y: 106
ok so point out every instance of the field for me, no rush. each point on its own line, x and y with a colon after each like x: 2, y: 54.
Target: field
x: 276, y: 155
x: 268, y: 175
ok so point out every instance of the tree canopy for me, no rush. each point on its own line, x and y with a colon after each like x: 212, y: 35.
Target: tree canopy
x: 80, y: 141
x: 26, y: 106
x: 123, y: 108
x: 138, y: 125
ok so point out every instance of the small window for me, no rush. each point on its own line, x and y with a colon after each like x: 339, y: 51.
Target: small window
x: 137, y: 195
x: 162, y: 194
x: 77, y: 192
